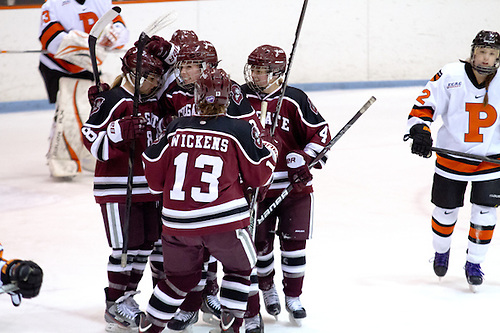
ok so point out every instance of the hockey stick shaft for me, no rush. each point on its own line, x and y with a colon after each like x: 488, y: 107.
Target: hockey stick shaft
x: 290, y: 61
x: 323, y: 152
x: 143, y: 38
x: 94, y: 34
x: 253, y: 202
x: 467, y: 155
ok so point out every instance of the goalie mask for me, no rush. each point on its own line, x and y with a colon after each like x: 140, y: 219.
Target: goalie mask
x: 152, y: 70
x: 192, y: 60
x: 212, y: 92
x: 181, y: 37
x: 485, y: 39
x: 264, y: 66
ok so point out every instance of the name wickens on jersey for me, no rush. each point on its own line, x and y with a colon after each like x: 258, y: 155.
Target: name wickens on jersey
x: 201, y: 141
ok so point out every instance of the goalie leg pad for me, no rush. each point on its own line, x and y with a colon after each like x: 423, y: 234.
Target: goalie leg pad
x: 67, y: 154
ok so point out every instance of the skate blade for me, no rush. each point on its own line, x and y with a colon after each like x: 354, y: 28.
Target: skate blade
x: 210, y: 319
x: 188, y: 329
x: 116, y: 328
x: 473, y: 288
x: 295, y: 321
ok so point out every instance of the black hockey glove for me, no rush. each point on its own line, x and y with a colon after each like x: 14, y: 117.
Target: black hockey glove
x: 422, y: 140
x: 26, y: 275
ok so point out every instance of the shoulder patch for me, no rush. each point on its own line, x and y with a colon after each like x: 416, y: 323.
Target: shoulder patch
x: 97, y: 105
x: 312, y: 107
x: 236, y: 94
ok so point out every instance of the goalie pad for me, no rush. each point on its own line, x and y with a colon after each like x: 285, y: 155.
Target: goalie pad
x: 67, y: 155
x: 74, y: 48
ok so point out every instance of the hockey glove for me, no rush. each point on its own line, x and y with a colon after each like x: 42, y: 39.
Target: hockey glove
x: 95, y: 90
x: 272, y: 143
x: 26, y: 275
x: 163, y: 50
x: 298, y: 169
x: 422, y: 140
x: 126, y: 129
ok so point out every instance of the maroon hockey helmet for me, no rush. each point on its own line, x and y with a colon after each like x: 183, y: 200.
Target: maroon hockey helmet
x: 181, y: 37
x: 269, y: 56
x: 149, y: 65
x: 489, y: 39
x: 268, y: 60
x: 200, y: 51
x: 213, y: 87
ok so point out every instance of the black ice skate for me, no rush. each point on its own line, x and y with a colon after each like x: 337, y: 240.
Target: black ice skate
x: 295, y: 309
x: 272, y: 301
x: 474, y: 275
x: 254, y: 324
x: 183, y: 320
x: 441, y: 263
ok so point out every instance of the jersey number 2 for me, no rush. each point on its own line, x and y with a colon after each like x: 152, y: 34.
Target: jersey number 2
x: 210, y: 178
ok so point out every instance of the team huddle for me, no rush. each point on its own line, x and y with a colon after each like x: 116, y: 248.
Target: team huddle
x: 183, y: 154
x: 185, y: 159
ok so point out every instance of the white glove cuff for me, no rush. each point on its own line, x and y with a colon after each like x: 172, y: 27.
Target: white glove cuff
x: 295, y: 160
x: 114, y: 132
x: 171, y: 57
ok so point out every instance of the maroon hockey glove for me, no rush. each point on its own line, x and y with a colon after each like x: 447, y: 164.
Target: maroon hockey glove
x: 422, y: 140
x: 272, y: 143
x: 298, y: 169
x: 95, y: 90
x: 126, y: 129
x: 163, y: 50
x: 26, y: 275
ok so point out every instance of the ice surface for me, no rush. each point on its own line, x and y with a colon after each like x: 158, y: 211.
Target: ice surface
x: 367, y: 264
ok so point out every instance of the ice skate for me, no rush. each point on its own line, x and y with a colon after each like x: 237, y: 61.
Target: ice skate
x: 254, y: 324
x: 122, y: 314
x: 211, y: 308
x: 272, y: 301
x: 474, y: 275
x: 295, y: 309
x: 441, y: 261
x: 228, y: 323
x: 183, y: 321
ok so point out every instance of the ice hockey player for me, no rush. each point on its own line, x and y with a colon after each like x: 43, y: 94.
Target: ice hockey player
x: 67, y: 72
x: 465, y: 95
x: 196, y: 166
x: 178, y: 101
x: 303, y: 133
x: 19, y: 278
x: 108, y: 135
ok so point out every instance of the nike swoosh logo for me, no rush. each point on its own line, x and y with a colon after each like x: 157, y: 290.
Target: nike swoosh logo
x: 144, y: 329
x: 481, y: 212
x: 447, y: 213
x: 479, y: 96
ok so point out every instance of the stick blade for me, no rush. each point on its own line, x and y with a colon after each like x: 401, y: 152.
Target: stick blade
x: 107, y: 18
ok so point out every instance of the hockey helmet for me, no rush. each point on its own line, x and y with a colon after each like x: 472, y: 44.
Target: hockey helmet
x: 151, y: 67
x: 483, y: 39
x: 213, y: 88
x: 181, y: 37
x: 200, y: 53
x: 271, y: 59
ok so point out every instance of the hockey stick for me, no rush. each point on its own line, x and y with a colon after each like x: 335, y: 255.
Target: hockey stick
x: 253, y: 202
x: 323, y: 152
x: 94, y: 34
x: 143, y: 39
x: 13, y: 291
x: 161, y: 22
x: 467, y: 155
x: 287, y: 73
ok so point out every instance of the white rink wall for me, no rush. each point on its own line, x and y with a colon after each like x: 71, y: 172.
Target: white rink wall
x: 341, y: 41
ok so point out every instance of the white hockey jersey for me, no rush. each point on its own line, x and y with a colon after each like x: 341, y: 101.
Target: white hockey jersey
x: 468, y: 126
x: 61, y: 16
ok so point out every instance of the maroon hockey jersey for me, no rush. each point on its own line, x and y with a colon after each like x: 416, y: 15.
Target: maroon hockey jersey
x: 179, y: 102
x: 197, y: 165
x: 300, y: 127
x: 111, y: 172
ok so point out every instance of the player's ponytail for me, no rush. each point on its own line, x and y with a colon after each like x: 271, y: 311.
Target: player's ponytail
x: 487, y: 82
